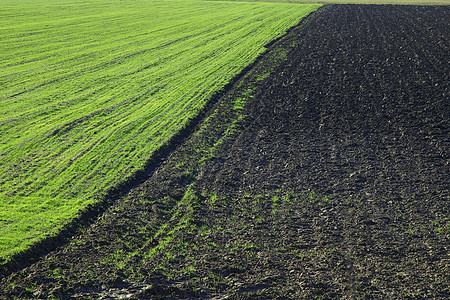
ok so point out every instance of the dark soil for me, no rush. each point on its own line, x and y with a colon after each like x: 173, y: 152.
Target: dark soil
x: 332, y: 181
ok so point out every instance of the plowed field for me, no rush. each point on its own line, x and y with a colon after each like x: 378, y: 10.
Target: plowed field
x: 324, y: 172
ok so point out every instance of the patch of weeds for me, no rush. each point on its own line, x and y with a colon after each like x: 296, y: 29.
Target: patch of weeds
x: 281, y: 249
x: 239, y: 247
x: 204, y: 230
x: 312, y: 253
x: 251, y: 246
x: 189, y: 270
x: 263, y: 76
x: 243, y: 207
x: 247, y: 196
x: 348, y: 201
x: 239, y: 103
x: 287, y: 199
x: 411, y: 230
x: 192, y: 229
x: 181, y: 220
x: 89, y: 274
x: 212, y: 245
x: 297, y: 252
x: 325, y: 200
x: 327, y: 251
x: 116, y: 260
x: 56, y: 273
x: 169, y: 256
x: 275, y: 204
x: 30, y: 288
x: 258, y: 219
x: 213, y: 198
x: 212, y: 280
x: 439, y: 229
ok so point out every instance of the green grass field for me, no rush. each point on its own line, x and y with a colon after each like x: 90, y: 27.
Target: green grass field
x: 90, y: 89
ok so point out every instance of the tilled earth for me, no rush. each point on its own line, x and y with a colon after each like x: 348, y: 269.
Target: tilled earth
x: 331, y: 181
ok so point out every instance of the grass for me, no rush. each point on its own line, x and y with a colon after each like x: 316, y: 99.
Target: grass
x: 90, y: 89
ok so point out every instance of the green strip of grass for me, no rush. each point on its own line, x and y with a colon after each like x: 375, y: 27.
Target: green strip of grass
x: 90, y: 89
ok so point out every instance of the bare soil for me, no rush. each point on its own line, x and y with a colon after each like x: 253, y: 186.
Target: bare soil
x: 331, y: 181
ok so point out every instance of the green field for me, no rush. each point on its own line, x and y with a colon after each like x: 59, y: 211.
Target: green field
x: 90, y: 89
